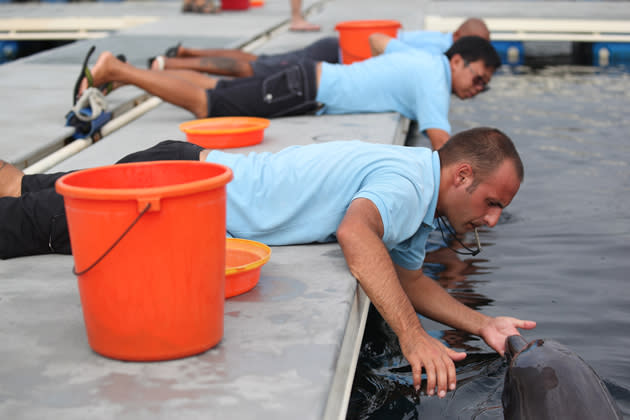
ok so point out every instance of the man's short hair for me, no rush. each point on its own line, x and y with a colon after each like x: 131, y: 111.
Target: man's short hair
x: 473, y: 48
x: 484, y: 148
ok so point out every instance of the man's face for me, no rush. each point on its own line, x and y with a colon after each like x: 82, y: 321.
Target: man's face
x: 469, y: 78
x: 469, y: 207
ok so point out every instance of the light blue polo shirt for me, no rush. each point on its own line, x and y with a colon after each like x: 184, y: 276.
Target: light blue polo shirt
x: 300, y: 194
x: 413, y: 82
x: 433, y: 41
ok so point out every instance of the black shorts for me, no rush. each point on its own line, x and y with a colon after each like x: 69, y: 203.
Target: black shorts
x: 291, y: 90
x: 35, y: 223
x: 325, y: 49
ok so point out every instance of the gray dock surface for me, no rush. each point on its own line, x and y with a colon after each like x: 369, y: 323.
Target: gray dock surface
x: 289, y: 344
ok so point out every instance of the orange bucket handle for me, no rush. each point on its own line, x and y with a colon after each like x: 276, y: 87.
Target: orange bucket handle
x: 99, y: 259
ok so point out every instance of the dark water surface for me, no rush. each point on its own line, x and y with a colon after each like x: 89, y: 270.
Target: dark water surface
x: 560, y: 254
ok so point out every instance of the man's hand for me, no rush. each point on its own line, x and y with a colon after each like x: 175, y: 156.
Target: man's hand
x: 423, y: 351
x: 498, y: 329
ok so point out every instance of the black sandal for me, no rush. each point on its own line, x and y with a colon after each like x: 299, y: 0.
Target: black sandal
x: 172, y: 51
x: 85, y: 73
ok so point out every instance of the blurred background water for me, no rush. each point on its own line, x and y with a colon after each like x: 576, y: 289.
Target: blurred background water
x: 560, y: 254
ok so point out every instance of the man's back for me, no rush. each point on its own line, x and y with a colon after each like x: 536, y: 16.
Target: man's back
x: 301, y: 194
x: 414, y: 83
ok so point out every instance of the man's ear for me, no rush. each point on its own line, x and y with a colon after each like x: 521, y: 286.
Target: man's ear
x: 456, y: 60
x: 464, y: 175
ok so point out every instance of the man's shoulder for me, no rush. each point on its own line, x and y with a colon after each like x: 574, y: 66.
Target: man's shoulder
x: 417, y: 57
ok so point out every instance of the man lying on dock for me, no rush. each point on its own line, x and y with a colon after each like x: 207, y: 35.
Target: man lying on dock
x: 238, y: 63
x: 415, y: 83
x: 380, y: 202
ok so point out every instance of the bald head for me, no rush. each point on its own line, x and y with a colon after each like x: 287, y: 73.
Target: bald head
x: 472, y: 27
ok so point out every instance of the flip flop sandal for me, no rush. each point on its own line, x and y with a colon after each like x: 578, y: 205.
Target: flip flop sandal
x: 159, y: 59
x: 85, y: 73
x: 172, y: 51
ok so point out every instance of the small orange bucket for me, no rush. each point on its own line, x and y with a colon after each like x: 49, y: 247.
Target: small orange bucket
x: 354, y: 37
x: 148, y: 241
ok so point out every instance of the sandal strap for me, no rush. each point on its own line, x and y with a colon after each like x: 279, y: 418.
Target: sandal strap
x: 91, y: 98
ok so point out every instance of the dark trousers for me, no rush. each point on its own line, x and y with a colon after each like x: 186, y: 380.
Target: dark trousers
x: 325, y: 49
x: 291, y: 90
x: 35, y: 223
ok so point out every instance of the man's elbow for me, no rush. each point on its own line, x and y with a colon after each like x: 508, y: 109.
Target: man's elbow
x: 345, y: 234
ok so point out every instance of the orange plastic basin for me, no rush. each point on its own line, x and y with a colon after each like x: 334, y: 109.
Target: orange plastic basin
x: 225, y: 132
x: 243, y: 260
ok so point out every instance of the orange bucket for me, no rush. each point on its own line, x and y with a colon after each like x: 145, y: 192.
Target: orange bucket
x: 354, y: 34
x: 148, y: 241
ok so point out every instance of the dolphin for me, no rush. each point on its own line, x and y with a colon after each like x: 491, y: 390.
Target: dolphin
x: 546, y: 380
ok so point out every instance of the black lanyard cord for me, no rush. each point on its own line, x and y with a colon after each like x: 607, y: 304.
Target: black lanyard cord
x: 442, y: 224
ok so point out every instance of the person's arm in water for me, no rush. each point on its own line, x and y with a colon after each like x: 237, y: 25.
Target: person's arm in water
x: 359, y: 236
x: 398, y: 293
x: 432, y: 301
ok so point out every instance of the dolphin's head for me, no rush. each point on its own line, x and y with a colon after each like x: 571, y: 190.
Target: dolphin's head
x: 515, y: 344
x: 546, y: 380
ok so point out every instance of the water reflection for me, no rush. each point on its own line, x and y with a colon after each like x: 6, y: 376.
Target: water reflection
x: 560, y: 257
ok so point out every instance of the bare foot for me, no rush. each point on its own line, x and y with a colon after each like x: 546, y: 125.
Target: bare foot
x: 10, y: 180
x: 102, y: 72
x: 301, y: 25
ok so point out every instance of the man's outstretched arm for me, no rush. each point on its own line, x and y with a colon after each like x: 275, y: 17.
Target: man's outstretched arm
x: 359, y: 235
x: 431, y: 300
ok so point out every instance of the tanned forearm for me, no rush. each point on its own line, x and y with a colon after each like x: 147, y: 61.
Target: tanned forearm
x: 371, y: 265
x: 432, y: 301
x: 359, y: 235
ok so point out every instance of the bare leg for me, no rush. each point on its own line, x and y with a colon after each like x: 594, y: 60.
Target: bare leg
x: 213, y: 65
x: 172, y: 88
x: 10, y: 180
x: 298, y: 23
x: 194, y: 77
x: 210, y: 52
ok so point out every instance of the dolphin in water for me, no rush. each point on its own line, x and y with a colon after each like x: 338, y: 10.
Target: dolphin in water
x: 546, y: 380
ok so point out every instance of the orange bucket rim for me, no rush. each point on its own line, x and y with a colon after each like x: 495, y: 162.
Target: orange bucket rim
x: 174, y: 190
x: 365, y: 24
x: 248, y: 124
x: 264, y: 253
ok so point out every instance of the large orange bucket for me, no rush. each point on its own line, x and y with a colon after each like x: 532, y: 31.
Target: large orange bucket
x: 354, y: 34
x: 148, y: 241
